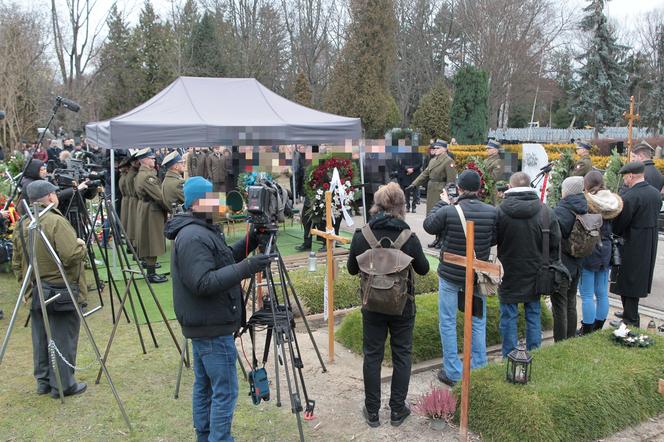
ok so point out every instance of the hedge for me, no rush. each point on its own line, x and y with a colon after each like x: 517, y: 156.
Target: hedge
x: 426, y: 337
x: 581, y: 389
x: 309, y: 287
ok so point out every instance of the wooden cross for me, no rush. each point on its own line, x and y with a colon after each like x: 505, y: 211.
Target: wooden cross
x: 471, y: 264
x: 630, y: 117
x: 330, y: 238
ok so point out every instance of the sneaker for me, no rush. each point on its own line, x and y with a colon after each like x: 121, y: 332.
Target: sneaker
x: 442, y: 377
x: 397, y: 418
x: 372, y: 418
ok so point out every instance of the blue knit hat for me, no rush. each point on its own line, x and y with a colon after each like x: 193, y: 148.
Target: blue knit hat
x: 194, y: 189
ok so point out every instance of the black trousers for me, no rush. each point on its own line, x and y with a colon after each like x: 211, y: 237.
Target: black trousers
x: 410, y: 194
x: 375, y: 327
x: 64, y: 328
x: 564, y: 309
x: 631, y: 311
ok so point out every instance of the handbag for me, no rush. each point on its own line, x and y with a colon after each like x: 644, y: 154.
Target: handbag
x: 488, y: 284
x: 553, y: 278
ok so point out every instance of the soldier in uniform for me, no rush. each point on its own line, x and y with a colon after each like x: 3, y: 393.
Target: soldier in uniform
x: 132, y: 200
x: 192, y: 162
x: 643, y: 152
x: 171, y: 188
x: 151, y: 214
x: 585, y: 163
x: 216, y: 168
x: 124, y: 167
x: 64, y: 321
x: 493, y: 163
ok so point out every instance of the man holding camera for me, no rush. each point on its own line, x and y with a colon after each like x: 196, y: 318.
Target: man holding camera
x: 207, y: 298
x: 62, y: 316
x: 445, y: 222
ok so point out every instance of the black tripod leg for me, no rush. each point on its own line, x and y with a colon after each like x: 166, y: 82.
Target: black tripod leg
x: 147, y: 319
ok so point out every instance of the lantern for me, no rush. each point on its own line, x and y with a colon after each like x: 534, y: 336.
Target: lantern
x: 312, y: 261
x: 519, y: 365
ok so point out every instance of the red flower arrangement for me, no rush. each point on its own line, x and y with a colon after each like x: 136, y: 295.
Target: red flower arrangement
x: 483, y: 190
x: 319, y: 182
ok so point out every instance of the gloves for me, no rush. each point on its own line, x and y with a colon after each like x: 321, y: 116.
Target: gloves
x: 252, y: 265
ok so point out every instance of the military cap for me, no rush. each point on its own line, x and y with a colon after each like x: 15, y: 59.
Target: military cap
x: 171, y: 159
x: 39, y: 189
x: 493, y: 144
x: 643, y: 145
x: 144, y: 153
x: 440, y: 143
x: 635, y: 167
x: 583, y: 145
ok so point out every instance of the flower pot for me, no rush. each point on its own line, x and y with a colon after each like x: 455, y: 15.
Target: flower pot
x: 437, y: 424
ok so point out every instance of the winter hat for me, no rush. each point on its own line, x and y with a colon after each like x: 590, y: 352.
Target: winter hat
x: 194, y: 189
x: 39, y: 189
x: 470, y: 180
x: 572, y: 185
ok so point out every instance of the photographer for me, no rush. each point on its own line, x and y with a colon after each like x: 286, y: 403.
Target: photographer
x: 207, y: 298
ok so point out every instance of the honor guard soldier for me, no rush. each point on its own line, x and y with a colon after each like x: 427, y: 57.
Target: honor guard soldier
x: 171, y: 188
x: 124, y: 167
x: 493, y: 163
x: 216, y: 167
x: 151, y: 214
x: 132, y: 200
x: 585, y: 163
x: 643, y: 152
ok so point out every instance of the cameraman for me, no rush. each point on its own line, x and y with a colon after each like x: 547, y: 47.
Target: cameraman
x: 207, y: 298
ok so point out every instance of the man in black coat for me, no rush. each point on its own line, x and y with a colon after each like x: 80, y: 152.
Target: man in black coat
x: 520, y: 250
x: 409, y: 168
x: 643, y: 152
x: 444, y: 221
x: 637, y: 225
x: 564, y: 305
x: 207, y: 298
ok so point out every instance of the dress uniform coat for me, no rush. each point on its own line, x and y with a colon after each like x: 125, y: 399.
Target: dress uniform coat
x: 582, y: 166
x: 637, y: 225
x: 494, y: 167
x: 151, y: 214
x: 201, y: 163
x: 216, y: 169
x: 191, y: 163
x: 438, y: 173
x: 132, y: 205
x: 171, y: 190
x: 122, y: 185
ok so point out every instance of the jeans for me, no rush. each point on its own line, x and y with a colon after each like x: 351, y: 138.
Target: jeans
x: 375, y: 327
x: 594, y: 288
x: 215, y: 387
x: 509, y: 314
x: 447, y: 322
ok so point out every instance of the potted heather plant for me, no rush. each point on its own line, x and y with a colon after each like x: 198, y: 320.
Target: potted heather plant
x: 438, y: 405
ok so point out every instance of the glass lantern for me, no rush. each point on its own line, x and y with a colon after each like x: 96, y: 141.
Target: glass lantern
x: 519, y: 365
x: 312, y: 261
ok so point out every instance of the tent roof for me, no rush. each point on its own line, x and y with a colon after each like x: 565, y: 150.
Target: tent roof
x: 202, y: 112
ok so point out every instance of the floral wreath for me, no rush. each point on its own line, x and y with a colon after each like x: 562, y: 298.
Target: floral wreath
x: 486, y: 181
x: 319, y: 182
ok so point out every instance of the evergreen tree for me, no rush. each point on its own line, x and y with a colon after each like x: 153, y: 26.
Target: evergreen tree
x: 183, y: 28
x: 654, y: 118
x: 361, y: 77
x: 600, y: 91
x: 469, y: 122
x: 432, y: 117
x: 302, y: 91
x: 207, y: 60
x: 561, y: 64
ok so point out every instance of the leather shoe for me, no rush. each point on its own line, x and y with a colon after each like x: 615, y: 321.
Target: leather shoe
x: 397, y: 418
x: 413, y: 210
x: 75, y: 389
x: 303, y: 247
x: 619, y: 314
x: 442, y: 377
x: 615, y: 323
x: 156, y: 265
x: 372, y: 418
x: 157, y: 279
x: 43, y: 388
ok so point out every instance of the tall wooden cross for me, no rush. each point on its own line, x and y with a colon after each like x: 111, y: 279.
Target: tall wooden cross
x: 471, y: 264
x: 630, y: 117
x: 330, y: 238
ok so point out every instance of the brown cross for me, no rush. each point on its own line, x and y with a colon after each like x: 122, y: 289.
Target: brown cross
x: 630, y: 117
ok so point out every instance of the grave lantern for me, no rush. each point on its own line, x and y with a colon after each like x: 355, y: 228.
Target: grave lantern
x: 519, y: 365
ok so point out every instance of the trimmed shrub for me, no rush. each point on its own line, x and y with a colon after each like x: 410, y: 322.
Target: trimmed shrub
x: 309, y: 287
x: 582, y: 389
x: 426, y: 337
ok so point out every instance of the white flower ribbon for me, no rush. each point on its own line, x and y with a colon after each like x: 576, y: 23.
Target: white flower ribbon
x: 335, y: 183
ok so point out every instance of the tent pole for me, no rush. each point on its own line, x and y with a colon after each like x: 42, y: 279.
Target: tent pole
x: 293, y: 173
x: 364, y: 198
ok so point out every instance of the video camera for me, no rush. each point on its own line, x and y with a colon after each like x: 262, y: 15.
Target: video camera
x: 267, y: 203
x: 77, y: 171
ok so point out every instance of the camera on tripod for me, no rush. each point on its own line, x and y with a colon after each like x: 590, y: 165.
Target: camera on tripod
x: 77, y: 172
x: 267, y: 203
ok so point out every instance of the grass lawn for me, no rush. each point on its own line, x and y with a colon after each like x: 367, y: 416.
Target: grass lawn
x: 145, y: 383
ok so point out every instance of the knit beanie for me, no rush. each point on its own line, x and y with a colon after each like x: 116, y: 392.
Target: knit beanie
x: 194, y: 189
x: 572, y: 185
x: 469, y: 180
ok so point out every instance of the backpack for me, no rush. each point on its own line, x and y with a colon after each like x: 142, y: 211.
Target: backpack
x: 585, y: 235
x: 385, y: 274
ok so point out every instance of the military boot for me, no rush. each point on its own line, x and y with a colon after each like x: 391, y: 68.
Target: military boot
x: 154, y: 278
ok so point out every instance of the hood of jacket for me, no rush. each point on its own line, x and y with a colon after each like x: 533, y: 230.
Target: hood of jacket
x: 178, y: 222
x: 32, y: 171
x: 381, y: 221
x: 576, y: 203
x: 522, y: 204
x: 605, y: 202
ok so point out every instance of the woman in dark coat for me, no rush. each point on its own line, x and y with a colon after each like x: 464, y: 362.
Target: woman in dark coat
x: 594, y: 282
x: 388, y: 222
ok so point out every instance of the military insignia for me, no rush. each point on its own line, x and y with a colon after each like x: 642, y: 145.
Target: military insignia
x: 152, y: 180
x: 452, y: 165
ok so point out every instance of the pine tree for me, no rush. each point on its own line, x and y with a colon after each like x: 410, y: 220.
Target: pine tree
x: 612, y: 176
x: 432, y: 117
x: 302, y: 91
x: 654, y: 119
x: 469, y: 122
x: 206, y: 49
x: 600, y: 92
x: 361, y: 78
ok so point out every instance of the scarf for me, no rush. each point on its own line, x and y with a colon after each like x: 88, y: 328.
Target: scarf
x: 604, y: 202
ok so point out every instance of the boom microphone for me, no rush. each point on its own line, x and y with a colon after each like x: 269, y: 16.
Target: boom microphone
x: 67, y: 104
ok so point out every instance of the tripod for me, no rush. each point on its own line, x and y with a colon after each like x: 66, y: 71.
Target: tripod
x: 542, y: 177
x: 32, y: 275
x: 276, y: 317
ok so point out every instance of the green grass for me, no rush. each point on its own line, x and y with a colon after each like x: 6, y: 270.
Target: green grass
x: 426, y: 337
x: 144, y: 382
x: 581, y: 389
